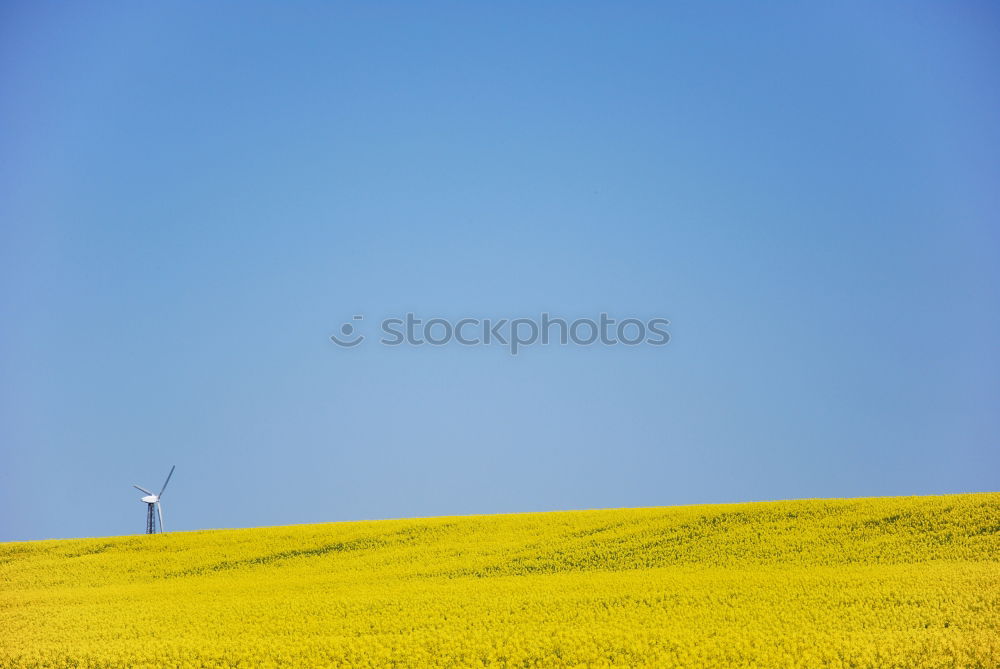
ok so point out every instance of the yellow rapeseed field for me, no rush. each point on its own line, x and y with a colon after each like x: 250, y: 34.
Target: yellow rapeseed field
x: 890, y: 582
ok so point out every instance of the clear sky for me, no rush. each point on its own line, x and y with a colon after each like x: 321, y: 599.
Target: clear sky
x: 194, y: 196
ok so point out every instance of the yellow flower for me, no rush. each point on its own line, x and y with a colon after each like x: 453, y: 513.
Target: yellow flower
x: 892, y: 582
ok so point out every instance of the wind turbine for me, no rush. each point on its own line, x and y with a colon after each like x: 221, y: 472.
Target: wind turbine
x: 152, y: 500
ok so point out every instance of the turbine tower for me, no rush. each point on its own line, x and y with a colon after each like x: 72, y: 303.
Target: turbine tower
x: 152, y: 500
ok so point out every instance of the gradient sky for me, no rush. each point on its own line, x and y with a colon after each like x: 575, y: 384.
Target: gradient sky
x: 194, y: 196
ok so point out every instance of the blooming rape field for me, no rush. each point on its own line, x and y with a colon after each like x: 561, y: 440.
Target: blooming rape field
x: 888, y: 582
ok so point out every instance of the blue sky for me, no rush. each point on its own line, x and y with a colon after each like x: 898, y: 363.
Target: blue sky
x: 194, y: 196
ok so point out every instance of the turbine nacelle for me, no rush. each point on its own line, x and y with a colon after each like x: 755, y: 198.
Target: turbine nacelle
x: 150, y: 499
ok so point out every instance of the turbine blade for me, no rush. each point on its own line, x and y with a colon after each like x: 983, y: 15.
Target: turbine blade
x: 142, y: 489
x: 168, y: 479
x: 159, y: 510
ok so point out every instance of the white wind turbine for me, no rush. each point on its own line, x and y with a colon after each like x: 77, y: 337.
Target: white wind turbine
x: 152, y: 500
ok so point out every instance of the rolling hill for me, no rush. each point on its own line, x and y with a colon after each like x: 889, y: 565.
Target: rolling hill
x: 883, y: 582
